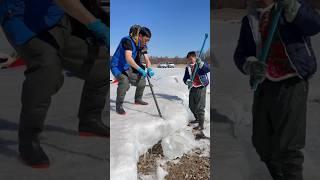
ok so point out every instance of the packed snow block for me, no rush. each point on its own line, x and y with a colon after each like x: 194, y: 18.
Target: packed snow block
x: 176, y: 145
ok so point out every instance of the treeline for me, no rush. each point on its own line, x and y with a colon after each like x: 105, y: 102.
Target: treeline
x: 175, y: 60
x: 178, y: 60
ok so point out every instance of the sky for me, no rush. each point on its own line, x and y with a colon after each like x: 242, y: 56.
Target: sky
x: 177, y: 26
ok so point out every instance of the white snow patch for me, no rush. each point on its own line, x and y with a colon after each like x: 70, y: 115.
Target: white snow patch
x: 161, y: 173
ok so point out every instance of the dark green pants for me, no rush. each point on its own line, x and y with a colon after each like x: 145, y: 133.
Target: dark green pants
x: 46, y: 56
x: 197, y: 103
x: 279, y: 126
x: 127, y: 78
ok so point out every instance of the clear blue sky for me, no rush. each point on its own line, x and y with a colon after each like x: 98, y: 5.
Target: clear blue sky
x: 177, y: 26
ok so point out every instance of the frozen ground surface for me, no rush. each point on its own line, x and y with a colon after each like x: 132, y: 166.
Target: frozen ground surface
x: 232, y: 99
x: 141, y: 128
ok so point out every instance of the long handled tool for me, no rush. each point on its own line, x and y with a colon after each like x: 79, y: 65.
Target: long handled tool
x: 267, y: 45
x: 196, y: 66
x: 154, y: 97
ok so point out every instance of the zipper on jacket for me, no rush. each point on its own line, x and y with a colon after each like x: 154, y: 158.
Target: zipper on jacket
x: 199, y: 76
x: 256, y: 39
x: 285, y: 49
x: 307, y: 47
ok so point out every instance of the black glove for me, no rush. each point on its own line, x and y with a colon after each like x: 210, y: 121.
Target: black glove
x: 255, y: 68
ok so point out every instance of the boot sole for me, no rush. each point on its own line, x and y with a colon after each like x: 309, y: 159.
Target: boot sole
x: 36, y: 166
x: 140, y: 104
x: 90, y: 134
x: 41, y: 166
x: 122, y: 113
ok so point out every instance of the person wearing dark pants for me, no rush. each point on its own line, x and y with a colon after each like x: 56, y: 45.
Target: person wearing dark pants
x: 280, y: 100
x: 279, y: 117
x: 125, y: 79
x: 197, y: 103
x: 126, y: 65
x: 48, y: 44
x: 198, y: 90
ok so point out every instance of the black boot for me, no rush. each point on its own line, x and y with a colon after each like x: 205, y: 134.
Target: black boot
x: 120, y: 110
x: 194, y: 121
x: 140, y: 102
x: 200, y: 127
x: 93, y: 128
x: 293, y: 165
x: 31, y: 152
x: 201, y: 136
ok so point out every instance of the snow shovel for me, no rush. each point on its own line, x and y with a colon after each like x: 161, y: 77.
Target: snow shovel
x: 267, y: 45
x: 196, y: 66
x: 154, y: 97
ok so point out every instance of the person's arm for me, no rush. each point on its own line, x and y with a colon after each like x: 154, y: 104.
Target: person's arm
x: 205, y: 69
x: 130, y: 60
x: 75, y: 9
x: 245, y: 47
x: 147, y: 60
x: 186, y: 75
x: 307, y: 19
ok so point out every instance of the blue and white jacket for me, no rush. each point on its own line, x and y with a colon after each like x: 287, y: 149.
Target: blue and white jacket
x: 295, y: 37
x: 202, y: 72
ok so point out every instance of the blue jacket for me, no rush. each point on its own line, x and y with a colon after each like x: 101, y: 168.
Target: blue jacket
x: 295, y: 36
x: 118, y: 62
x: 23, y: 19
x: 201, y: 72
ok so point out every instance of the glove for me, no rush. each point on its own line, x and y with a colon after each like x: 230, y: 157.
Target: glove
x: 142, y: 72
x: 189, y: 83
x: 150, y: 72
x: 100, y: 30
x: 200, y: 63
x: 291, y: 8
x: 255, y: 68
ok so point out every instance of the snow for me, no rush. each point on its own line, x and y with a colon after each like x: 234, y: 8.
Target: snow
x: 161, y: 173
x: 141, y: 128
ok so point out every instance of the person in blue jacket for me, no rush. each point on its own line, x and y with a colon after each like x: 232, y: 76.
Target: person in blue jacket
x: 198, y: 87
x: 127, y: 67
x: 280, y: 101
x: 43, y: 34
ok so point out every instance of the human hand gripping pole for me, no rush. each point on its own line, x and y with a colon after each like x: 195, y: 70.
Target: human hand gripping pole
x: 150, y: 72
x: 142, y: 72
x: 100, y: 30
